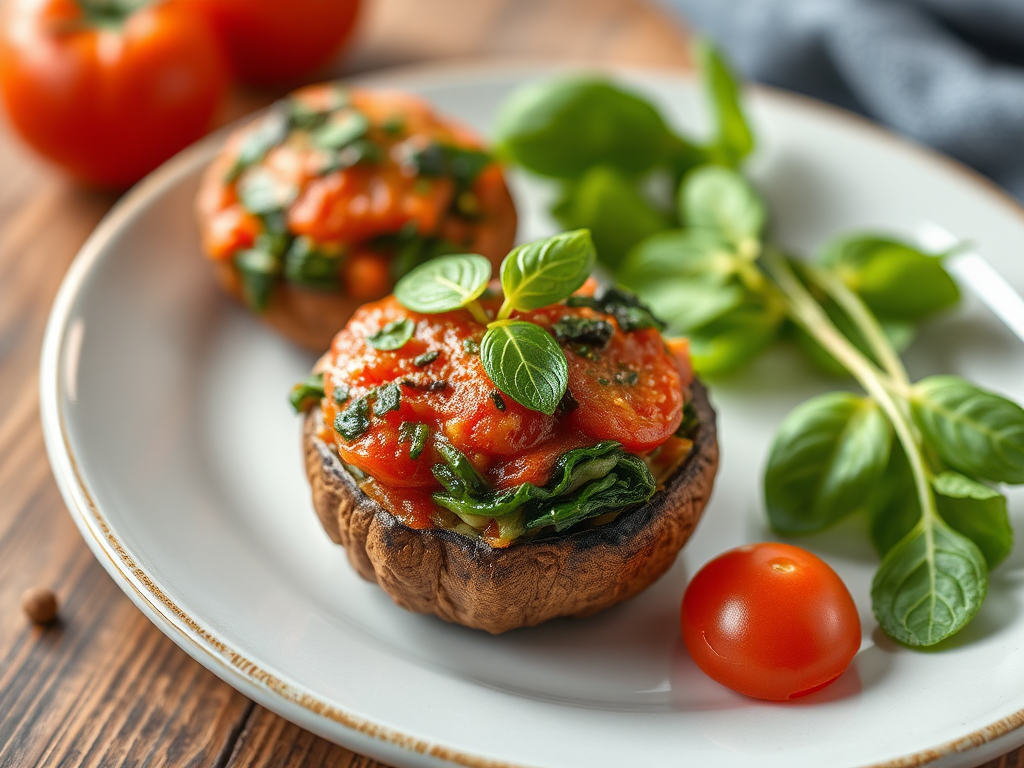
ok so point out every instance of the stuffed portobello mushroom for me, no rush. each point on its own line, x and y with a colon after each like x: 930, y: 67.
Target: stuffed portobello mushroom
x: 332, y: 195
x: 502, y: 453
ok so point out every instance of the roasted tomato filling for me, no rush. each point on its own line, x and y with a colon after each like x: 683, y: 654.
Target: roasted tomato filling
x: 346, y: 190
x: 421, y: 417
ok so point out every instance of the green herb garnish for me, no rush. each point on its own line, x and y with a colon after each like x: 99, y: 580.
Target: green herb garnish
x: 353, y: 422
x: 258, y: 270
x: 307, y: 393
x: 521, y: 358
x: 416, y: 435
x: 392, y: 336
x: 421, y: 361
x: 499, y: 401
x: 387, y: 398
x: 341, y: 393
x: 305, y: 265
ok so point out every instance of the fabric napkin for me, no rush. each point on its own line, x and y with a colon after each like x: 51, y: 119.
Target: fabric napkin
x: 949, y: 73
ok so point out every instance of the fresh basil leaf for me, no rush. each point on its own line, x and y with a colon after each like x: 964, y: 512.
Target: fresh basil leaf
x: 929, y: 586
x: 544, y: 272
x: 421, y: 361
x: 307, y: 393
x: 271, y: 130
x: 444, y: 284
x: 307, y: 266
x: 416, y: 435
x: 892, y: 503
x: 392, y: 336
x: 526, y: 364
x: 689, y: 304
x: 261, y: 193
x: 677, y: 253
x: 387, y: 398
x: 353, y: 422
x: 625, y: 306
x: 259, y: 271
x: 733, y: 139
x: 974, y: 431
x: 976, y: 511
x: 827, y: 456
x: 563, y: 127
x: 721, y: 201
x: 613, y: 209
x: 340, y: 130
x: 734, y: 339
x: 893, y: 278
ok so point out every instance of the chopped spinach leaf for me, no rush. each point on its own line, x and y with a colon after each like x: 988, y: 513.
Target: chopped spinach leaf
x: 258, y: 270
x: 629, y: 378
x: 353, y: 422
x: 340, y: 130
x: 585, y: 483
x: 393, y: 126
x: 307, y: 266
x: 270, y: 132
x: 388, y: 398
x: 426, y: 358
x: 416, y: 435
x: 341, y: 393
x: 446, y: 160
x: 308, y: 393
x: 583, y: 330
x: 630, y: 313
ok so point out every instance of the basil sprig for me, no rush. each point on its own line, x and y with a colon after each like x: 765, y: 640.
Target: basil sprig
x: 921, y: 459
x: 610, y: 150
x: 521, y: 358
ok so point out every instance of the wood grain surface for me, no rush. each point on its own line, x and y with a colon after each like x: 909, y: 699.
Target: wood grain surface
x: 103, y: 686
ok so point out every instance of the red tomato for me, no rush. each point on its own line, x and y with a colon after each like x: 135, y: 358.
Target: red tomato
x: 771, y: 621
x: 109, y: 100
x: 277, y: 41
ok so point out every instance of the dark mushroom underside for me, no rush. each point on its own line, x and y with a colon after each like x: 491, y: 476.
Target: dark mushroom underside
x: 467, y: 581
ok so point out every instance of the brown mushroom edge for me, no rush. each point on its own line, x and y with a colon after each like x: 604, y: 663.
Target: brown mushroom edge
x: 468, y: 582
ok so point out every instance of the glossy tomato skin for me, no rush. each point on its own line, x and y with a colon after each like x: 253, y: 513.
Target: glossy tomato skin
x: 279, y: 41
x: 770, y: 621
x: 109, y: 104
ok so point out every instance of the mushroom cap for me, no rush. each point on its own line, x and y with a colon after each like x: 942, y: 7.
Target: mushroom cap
x: 466, y: 581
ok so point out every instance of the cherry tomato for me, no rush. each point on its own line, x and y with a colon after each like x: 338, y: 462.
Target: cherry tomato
x: 771, y: 621
x: 109, y: 90
x: 277, y: 41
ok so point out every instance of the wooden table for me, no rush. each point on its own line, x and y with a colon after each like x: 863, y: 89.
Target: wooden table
x: 104, y: 687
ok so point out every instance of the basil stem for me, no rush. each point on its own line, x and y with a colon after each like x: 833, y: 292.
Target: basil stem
x: 934, y: 580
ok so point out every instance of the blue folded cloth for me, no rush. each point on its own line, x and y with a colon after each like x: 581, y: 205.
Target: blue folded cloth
x: 949, y: 73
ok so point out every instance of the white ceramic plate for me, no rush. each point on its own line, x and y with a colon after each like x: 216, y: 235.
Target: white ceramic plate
x: 166, y: 421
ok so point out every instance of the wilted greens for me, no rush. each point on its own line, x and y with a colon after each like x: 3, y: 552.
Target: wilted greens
x: 922, y: 459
